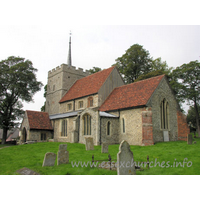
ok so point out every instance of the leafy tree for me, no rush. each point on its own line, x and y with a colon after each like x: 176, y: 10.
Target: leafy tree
x: 159, y: 65
x: 135, y: 62
x: 151, y: 74
x: 45, y: 94
x: 158, y: 68
x: 17, y: 83
x: 186, y: 82
x: 94, y: 70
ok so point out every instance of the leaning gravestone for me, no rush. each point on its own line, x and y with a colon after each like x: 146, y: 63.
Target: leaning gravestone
x: 49, y: 159
x: 189, y: 138
x: 89, y: 144
x: 63, y: 155
x: 104, y: 148
x: 125, y: 161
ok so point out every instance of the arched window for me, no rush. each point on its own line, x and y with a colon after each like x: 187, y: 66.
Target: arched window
x: 24, y: 134
x: 87, y: 124
x: 108, y: 128
x: 164, y: 113
x: 123, y: 125
x: 64, y: 128
x: 90, y: 101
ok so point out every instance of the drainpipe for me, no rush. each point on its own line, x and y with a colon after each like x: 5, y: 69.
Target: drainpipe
x: 100, y: 131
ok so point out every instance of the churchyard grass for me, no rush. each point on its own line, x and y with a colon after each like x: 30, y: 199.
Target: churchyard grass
x: 31, y: 156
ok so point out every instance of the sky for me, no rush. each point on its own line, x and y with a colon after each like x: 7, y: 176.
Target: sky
x: 39, y: 31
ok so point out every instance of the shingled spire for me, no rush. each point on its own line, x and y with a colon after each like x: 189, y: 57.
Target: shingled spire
x: 69, y: 62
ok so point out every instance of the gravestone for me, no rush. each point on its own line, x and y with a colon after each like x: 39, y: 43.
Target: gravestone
x: 125, y: 160
x: 104, y: 148
x: 49, y: 159
x: 89, y: 143
x: 166, y: 136
x: 26, y: 171
x: 189, y: 138
x: 63, y: 155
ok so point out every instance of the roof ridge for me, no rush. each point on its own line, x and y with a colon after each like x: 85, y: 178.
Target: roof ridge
x: 140, y: 81
x: 36, y: 111
x: 95, y: 73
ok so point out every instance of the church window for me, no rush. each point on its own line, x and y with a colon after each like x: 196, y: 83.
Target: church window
x: 69, y: 106
x: 164, y: 113
x: 123, y: 125
x: 64, y: 128
x: 87, y: 124
x: 43, y: 136
x: 90, y: 101
x: 80, y: 104
x: 108, y: 128
x: 54, y: 87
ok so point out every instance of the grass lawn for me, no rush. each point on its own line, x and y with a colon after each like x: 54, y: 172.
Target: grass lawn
x: 31, y: 156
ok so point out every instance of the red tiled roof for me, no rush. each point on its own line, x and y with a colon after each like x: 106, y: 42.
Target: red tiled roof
x: 87, y: 85
x: 132, y: 95
x: 39, y: 120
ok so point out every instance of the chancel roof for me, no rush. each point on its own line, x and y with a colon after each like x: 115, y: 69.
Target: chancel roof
x: 132, y: 95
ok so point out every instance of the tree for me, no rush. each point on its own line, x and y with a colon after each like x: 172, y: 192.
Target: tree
x: 135, y: 62
x: 159, y: 65
x: 45, y: 94
x: 150, y: 75
x: 17, y: 83
x: 191, y: 118
x: 94, y: 70
x: 186, y: 82
x: 158, y: 68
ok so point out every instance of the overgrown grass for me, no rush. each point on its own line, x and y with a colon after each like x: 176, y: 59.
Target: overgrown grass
x: 31, y: 156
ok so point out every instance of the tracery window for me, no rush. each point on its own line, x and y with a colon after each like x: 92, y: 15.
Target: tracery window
x: 164, y: 113
x: 64, y: 128
x: 87, y: 124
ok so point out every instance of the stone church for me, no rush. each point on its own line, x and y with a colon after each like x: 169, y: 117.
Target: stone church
x: 101, y: 106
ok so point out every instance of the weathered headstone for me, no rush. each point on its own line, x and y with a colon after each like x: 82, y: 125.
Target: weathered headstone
x: 63, y: 155
x: 89, y: 143
x: 166, y: 136
x: 189, y: 138
x: 104, y: 148
x: 125, y: 160
x: 26, y: 171
x: 49, y: 159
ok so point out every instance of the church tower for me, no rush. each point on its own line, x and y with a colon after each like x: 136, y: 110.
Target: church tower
x: 59, y: 82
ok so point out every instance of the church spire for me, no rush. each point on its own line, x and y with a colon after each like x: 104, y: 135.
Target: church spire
x: 69, y: 62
